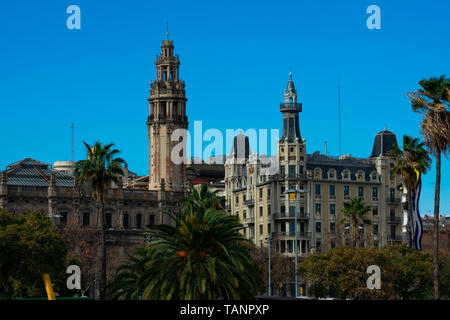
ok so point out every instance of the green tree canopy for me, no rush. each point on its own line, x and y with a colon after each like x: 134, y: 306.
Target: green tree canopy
x: 29, y: 247
x: 342, y: 273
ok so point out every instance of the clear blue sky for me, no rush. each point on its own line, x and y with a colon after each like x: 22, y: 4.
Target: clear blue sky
x: 236, y: 57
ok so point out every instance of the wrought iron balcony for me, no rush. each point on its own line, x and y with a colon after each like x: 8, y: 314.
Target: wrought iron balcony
x: 394, y: 219
x: 249, y: 220
x: 290, y: 215
x: 393, y: 200
x: 249, y: 203
x: 302, y: 234
x: 393, y: 237
x: 288, y: 176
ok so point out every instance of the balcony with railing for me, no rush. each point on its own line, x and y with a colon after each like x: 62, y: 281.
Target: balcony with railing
x: 301, y: 234
x: 289, y: 176
x: 249, y: 220
x: 291, y: 106
x: 289, y: 215
x: 393, y: 237
x: 249, y: 203
x: 392, y: 200
x: 392, y: 219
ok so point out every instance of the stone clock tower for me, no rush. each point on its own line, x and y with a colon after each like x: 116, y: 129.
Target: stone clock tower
x: 167, y: 113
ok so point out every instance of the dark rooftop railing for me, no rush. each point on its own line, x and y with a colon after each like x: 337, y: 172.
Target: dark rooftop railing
x: 291, y: 106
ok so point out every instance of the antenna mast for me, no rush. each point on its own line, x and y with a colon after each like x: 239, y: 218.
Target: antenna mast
x: 339, y: 113
x: 73, y: 158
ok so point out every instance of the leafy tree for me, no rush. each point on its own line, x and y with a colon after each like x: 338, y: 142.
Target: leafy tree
x: 355, y: 214
x: 83, y: 245
x: 444, y: 278
x: 204, y: 257
x: 433, y: 102
x: 282, y: 270
x: 30, y: 246
x: 413, y: 160
x: 101, y: 168
x: 342, y: 273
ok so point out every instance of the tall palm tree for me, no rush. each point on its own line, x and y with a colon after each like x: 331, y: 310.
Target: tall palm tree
x: 433, y: 102
x: 204, y: 257
x: 355, y: 214
x: 101, y: 168
x: 413, y: 160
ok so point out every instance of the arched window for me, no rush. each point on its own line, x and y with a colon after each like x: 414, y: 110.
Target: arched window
x: 317, y: 173
x: 346, y: 174
x: 360, y: 175
x: 332, y: 174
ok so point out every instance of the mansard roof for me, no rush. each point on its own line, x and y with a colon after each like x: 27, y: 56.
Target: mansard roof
x: 352, y: 164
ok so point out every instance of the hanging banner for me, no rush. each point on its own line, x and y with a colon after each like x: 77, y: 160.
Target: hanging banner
x: 416, y: 219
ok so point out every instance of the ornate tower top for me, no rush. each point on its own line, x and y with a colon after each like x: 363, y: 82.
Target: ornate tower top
x: 167, y: 72
x: 290, y: 109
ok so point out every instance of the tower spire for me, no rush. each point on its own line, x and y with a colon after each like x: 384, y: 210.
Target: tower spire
x: 167, y: 27
x: 290, y: 110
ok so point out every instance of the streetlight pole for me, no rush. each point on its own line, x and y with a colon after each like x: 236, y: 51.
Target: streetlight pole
x: 269, y: 290
x: 294, y: 192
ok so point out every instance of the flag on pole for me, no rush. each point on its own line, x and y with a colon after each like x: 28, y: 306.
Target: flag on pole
x: 416, y: 220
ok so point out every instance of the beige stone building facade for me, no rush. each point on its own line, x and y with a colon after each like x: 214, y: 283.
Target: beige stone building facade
x: 322, y: 184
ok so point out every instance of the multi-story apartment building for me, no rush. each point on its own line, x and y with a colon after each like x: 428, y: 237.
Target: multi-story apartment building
x: 321, y: 183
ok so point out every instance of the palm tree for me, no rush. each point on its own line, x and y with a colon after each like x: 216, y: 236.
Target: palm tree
x: 101, y: 168
x: 127, y: 283
x: 433, y: 102
x: 201, y: 199
x: 413, y: 160
x: 204, y: 257
x: 355, y: 214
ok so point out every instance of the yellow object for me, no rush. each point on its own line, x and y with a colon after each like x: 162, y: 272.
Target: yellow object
x: 48, y: 286
x: 291, y: 196
x: 300, y: 291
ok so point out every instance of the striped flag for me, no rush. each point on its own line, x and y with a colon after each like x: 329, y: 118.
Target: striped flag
x: 417, y: 221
